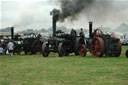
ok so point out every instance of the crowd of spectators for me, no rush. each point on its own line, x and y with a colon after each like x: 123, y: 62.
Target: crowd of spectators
x: 6, y: 48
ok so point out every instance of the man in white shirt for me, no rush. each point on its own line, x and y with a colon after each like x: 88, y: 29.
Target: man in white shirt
x: 10, y: 47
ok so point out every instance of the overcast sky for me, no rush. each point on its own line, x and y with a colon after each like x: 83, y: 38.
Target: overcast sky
x: 35, y: 14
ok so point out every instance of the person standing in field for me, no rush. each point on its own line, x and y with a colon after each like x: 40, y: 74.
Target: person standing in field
x: 10, y: 47
x: 82, y: 33
x: 1, y: 50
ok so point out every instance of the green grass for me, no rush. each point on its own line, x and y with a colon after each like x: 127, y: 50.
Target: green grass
x: 71, y: 70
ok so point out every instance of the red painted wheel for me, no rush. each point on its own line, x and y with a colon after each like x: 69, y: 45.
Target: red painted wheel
x: 97, y: 47
x: 119, y: 49
x: 82, y: 50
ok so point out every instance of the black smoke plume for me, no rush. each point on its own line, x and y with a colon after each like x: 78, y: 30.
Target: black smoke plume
x: 71, y: 9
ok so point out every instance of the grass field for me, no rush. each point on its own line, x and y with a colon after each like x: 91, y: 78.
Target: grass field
x: 71, y: 70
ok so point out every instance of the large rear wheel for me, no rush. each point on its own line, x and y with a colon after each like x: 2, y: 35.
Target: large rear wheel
x: 36, y: 45
x: 28, y: 49
x: 77, y: 46
x: 97, y: 47
x: 119, y: 49
x: 126, y: 53
x: 82, y: 50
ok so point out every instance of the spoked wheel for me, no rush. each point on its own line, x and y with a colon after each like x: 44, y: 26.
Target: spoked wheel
x: 97, y: 47
x: 61, y: 50
x: 119, y: 49
x: 28, y: 49
x: 17, y: 49
x: 37, y: 46
x: 126, y: 53
x: 45, y: 51
x: 82, y: 50
x: 77, y: 46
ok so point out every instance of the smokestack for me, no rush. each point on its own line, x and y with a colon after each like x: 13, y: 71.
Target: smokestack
x: 12, y: 33
x: 55, y: 16
x: 54, y: 27
x: 90, y: 29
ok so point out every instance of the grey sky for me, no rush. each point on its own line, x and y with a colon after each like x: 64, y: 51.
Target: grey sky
x: 34, y: 14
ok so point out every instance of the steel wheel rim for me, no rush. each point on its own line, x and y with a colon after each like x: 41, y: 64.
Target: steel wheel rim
x: 82, y: 50
x: 38, y: 46
x: 97, y: 47
x: 119, y: 48
x: 63, y: 50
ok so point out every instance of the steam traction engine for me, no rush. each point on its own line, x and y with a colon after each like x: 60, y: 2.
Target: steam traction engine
x: 29, y: 43
x: 32, y: 43
x: 103, y: 44
x: 60, y: 42
x: 70, y: 44
x: 51, y: 45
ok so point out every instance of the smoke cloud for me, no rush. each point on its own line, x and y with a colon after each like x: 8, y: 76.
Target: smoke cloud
x: 71, y: 8
x: 76, y: 13
x: 92, y: 10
